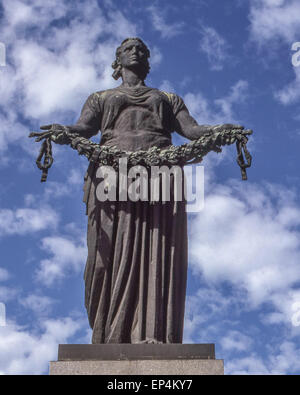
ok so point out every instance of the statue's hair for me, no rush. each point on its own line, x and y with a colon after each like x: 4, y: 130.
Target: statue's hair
x: 118, y: 67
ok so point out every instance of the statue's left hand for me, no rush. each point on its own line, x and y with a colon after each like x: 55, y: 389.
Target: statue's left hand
x: 56, y: 132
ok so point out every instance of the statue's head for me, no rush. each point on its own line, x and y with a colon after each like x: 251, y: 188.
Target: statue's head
x: 133, y: 52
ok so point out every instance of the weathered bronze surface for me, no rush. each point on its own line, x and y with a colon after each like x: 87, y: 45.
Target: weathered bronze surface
x: 135, y: 275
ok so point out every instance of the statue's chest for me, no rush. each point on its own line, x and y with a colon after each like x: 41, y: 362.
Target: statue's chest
x: 154, y: 102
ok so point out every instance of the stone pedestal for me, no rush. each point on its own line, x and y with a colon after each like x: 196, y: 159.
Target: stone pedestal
x: 137, y: 359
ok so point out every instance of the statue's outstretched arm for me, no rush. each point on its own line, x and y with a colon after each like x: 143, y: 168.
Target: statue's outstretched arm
x: 88, y: 124
x: 187, y: 126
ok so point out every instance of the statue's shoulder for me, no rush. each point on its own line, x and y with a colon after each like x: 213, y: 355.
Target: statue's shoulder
x: 100, y: 95
x: 176, y: 102
x: 170, y: 96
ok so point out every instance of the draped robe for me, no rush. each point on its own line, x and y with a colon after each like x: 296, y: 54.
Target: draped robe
x: 135, y: 275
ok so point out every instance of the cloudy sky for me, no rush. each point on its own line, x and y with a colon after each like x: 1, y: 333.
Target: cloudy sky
x: 231, y: 61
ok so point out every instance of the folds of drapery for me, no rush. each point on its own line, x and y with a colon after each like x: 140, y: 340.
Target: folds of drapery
x: 135, y: 275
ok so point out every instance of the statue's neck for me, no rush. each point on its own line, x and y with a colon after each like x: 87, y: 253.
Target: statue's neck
x: 131, y: 79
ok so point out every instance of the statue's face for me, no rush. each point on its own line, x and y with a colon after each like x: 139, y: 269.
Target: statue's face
x: 132, y: 54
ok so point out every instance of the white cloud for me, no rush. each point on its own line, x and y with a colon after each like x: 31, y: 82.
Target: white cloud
x: 27, y: 220
x: 238, y: 94
x: 166, y: 86
x: 200, y: 308
x: 251, y: 364
x: 39, y: 304
x: 4, y: 275
x: 67, y: 256
x: 207, y: 308
x: 282, y: 359
x: 54, y: 189
x: 24, y: 352
x: 76, y: 177
x: 245, y: 249
x: 272, y: 20
x: 51, y: 67
x: 291, y: 92
x: 57, y: 76
x: 222, y: 110
x: 11, y: 130
x: 165, y: 28
x: 214, y: 46
x: 24, y: 13
x: 7, y: 293
x: 236, y: 341
x: 156, y: 57
x: 248, y: 235
x: 287, y: 361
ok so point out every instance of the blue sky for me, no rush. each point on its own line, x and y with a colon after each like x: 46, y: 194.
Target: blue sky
x: 231, y: 61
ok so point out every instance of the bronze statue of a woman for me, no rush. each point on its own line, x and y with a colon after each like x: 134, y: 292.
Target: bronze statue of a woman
x: 136, y: 270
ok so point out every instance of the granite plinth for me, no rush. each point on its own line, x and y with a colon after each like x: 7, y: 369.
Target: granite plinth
x: 137, y: 359
x: 89, y: 352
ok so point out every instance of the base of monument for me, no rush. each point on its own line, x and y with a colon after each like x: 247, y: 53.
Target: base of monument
x: 137, y: 359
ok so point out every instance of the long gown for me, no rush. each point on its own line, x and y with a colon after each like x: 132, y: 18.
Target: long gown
x: 135, y: 275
